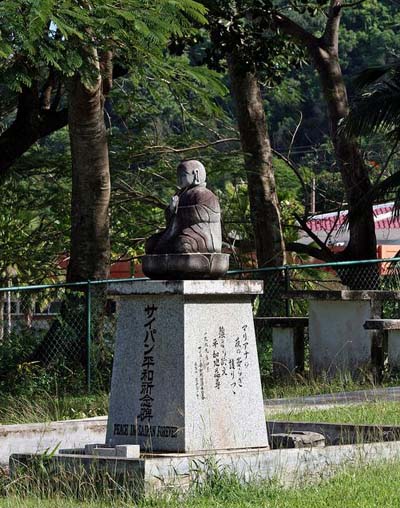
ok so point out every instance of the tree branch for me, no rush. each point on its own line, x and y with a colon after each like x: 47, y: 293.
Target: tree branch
x: 295, y: 171
x: 295, y: 30
x: 301, y: 248
x: 314, y: 237
x: 331, y: 33
x: 169, y: 149
x: 34, y: 120
x: 25, y: 131
x: 106, y: 66
x: 352, y: 4
x: 47, y: 90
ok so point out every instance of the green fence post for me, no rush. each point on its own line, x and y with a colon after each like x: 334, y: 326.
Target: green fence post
x: 88, y: 335
x: 287, y: 287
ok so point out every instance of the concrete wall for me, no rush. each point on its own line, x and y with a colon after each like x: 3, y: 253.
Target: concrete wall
x: 39, y: 437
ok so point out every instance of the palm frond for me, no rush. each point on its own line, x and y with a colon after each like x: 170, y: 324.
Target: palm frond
x: 371, y: 75
x: 376, y: 111
x: 378, y: 108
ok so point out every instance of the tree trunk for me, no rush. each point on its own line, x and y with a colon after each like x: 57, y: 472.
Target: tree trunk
x: 66, y: 340
x: 324, y: 52
x: 264, y: 205
x: 362, y: 244
x: 90, y: 242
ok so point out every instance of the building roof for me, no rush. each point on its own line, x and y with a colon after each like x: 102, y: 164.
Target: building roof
x: 387, y: 226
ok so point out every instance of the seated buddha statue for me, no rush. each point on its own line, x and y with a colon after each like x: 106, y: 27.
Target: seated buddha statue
x: 193, y: 217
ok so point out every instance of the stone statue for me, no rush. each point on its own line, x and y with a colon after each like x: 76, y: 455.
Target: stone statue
x: 193, y: 216
x: 190, y: 245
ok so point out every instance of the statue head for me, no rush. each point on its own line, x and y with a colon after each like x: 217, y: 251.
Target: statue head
x: 190, y: 173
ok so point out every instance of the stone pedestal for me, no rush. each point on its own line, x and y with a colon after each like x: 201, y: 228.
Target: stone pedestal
x: 287, y: 351
x: 394, y: 350
x: 186, y: 375
x: 338, y: 341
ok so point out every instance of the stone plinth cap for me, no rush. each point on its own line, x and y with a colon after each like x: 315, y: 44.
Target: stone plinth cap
x: 382, y: 324
x: 345, y: 294
x: 187, y: 287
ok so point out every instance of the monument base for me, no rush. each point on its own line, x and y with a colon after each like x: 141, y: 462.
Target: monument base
x: 185, y: 266
x: 159, y: 472
x: 185, y: 374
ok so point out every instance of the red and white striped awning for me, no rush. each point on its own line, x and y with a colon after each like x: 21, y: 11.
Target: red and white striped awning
x: 326, y: 222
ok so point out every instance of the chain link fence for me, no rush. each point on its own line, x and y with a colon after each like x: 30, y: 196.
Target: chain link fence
x: 63, y: 335
x: 56, y: 337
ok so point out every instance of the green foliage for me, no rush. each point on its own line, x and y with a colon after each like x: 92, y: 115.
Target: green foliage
x: 58, y: 34
x: 165, y: 105
x: 245, y: 28
x: 44, y: 406
x: 34, y: 213
x: 371, y: 413
x: 368, y: 38
x: 17, y: 374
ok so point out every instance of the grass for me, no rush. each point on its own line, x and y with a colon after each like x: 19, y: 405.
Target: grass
x: 372, y: 413
x: 47, y: 408
x: 302, y: 386
x: 368, y: 486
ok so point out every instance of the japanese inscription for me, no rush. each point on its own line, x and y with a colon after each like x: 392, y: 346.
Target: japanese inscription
x: 221, y: 361
x: 147, y: 374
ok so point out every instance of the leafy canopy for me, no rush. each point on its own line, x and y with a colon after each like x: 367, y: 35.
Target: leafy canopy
x: 245, y: 27
x: 37, y: 34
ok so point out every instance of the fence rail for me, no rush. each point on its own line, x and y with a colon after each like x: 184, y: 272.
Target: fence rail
x: 67, y: 330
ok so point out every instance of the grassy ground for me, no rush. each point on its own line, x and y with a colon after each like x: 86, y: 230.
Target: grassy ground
x: 47, y: 408
x: 384, y: 413
x: 300, y: 386
x: 366, y: 487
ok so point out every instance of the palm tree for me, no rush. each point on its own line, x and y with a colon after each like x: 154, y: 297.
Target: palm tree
x: 378, y: 107
x: 377, y: 110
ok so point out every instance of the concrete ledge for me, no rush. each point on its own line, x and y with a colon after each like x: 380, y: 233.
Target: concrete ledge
x: 39, y: 437
x: 152, y: 473
x: 187, y: 287
x: 382, y: 324
x: 339, y: 433
x: 345, y: 294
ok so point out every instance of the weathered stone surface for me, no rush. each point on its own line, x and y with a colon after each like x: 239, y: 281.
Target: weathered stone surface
x: 190, y: 245
x: 39, y: 437
x: 382, y: 324
x: 287, y: 351
x: 185, y: 266
x: 338, y: 341
x: 297, y: 439
x: 186, y: 287
x: 104, y: 452
x: 284, y: 322
x: 394, y: 349
x: 128, y: 451
x: 89, y: 448
x: 186, y: 373
x: 123, y: 451
x: 346, y: 294
x: 167, y: 471
x: 392, y: 326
